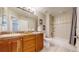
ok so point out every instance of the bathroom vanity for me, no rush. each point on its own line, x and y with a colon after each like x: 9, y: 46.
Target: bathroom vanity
x: 21, y: 42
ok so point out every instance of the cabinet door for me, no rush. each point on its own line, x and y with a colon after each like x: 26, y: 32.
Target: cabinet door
x: 11, y: 45
x: 29, y: 43
x: 16, y: 45
x: 4, y: 45
x: 39, y: 42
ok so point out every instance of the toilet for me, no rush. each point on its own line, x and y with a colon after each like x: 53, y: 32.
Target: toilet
x: 47, y: 42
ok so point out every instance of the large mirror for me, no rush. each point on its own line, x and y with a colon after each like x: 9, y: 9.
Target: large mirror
x: 13, y: 19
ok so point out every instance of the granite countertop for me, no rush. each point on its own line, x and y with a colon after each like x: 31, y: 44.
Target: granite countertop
x: 17, y: 34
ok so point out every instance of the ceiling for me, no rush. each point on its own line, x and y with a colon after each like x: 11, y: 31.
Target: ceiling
x: 53, y: 10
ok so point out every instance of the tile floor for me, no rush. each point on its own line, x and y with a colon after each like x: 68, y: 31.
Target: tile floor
x: 59, y: 46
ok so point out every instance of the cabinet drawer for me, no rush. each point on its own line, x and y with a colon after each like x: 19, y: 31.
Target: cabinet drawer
x: 29, y: 37
x: 30, y: 41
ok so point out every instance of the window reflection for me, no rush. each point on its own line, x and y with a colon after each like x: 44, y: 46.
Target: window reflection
x: 4, y: 23
x: 14, y: 24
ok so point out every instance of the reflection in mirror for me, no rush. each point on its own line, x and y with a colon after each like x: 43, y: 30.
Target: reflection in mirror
x: 0, y: 18
x: 4, y: 23
x: 14, y: 24
x: 12, y: 19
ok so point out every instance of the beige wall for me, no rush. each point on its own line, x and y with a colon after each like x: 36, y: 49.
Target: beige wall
x: 62, y: 25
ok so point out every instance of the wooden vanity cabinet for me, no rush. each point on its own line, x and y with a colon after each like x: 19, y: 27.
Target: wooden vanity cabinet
x: 29, y: 43
x: 39, y: 42
x: 25, y: 43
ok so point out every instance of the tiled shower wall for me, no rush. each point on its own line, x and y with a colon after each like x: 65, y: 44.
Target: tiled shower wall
x: 62, y: 25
